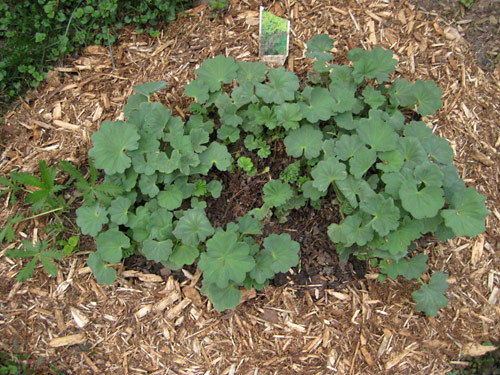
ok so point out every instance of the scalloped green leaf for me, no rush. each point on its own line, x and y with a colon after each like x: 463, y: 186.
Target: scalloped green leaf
x: 430, y: 174
x: 118, y: 211
x: 284, y: 252
x: 341, y: 76
x: 373, y: 98
x: 347, y: 146
x: 156, y: 120
x: 413, y: 151
x: 111, y: 142
x: 193, y: 227
x: 326, y: 172
x: 90, y: 219
x: 252, y: 72
x: 223, y: 298
x: 391, y: 161
x: 249, y: 225
x: 310, y: 192
x: 262, y: 270
x: 356, y: 231
x: 467, y: 213
x: 159, y: 251
x: 304, y: 140
x: 276, y: 193
x: 148, y: 186
x: 421, y: 203
x: 378, y: 134
x: 430, y: 297
x: 217, y: 71
x: 352, y: 188
x: 428, y: 97
x: 110, y: 245
x: 281, y: 87
x: 170, y: 197
x: 345, y: 100
x: 362, y: 161
x: 402, y: 93
x: 410, y: 269
x: 319, y: 105
x: 385, y: 213
x: 378, y: 64
x: 398, y: 240
x: 319, y: 46
x: 216, y: 154
x: 197, y: 89
x: 288, y: 115
x: 161, y: 224
x: 149, y: 88
x: 103, y: 273
x: 225, y: 260
x: 184, y: 255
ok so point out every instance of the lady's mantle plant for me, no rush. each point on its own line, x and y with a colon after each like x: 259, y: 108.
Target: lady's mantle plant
x: 393, y: 179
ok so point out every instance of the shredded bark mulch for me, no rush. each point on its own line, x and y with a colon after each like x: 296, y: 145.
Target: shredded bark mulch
x: 335, y: 319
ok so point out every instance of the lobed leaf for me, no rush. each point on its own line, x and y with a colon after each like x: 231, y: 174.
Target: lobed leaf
x: 467, y: 213
x: 193, y: 227
x: 276, y: 193
x: 111, y: 142
x: 225, y: 260
x: 90, y: 219
x: 281, y: 87
x: 110, y: 244
x: 326, y: 172
x: 430, y: 297
x: 304, y: 140
x: 102, y: 273
x: 217, y: 71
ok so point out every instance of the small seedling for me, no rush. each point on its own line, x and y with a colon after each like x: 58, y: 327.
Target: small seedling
x: 38, y: 252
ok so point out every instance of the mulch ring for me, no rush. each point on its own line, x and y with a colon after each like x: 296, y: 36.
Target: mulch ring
x: 157, y: 324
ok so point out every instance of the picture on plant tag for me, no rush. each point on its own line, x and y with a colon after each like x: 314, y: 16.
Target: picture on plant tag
x: 274, y: 34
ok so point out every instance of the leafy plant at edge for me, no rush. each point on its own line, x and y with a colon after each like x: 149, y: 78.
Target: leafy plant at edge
x: 394, y: 181
x: 38, y: 252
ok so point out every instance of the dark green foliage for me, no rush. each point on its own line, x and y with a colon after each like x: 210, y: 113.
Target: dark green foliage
x: 36, y: 34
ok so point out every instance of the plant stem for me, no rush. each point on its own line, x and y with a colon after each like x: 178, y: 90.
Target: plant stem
x: 43, y: 213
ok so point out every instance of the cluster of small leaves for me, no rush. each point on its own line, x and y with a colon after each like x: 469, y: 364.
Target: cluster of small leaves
x: 35, y: 34
x: 162, y: 164
x: 44, y: 197
x: 42, y: 194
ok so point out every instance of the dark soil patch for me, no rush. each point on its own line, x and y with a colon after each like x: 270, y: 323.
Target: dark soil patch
x: 319, y: 267
x: 479, y: 25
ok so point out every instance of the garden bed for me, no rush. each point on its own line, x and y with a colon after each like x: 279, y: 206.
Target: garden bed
x: 346, y: 321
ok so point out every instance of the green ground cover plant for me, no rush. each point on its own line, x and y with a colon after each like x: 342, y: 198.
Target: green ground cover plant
x: 34, y: 35
x: 351, y: 146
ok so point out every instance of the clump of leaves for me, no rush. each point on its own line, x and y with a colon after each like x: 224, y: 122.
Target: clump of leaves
x: 350, y: 144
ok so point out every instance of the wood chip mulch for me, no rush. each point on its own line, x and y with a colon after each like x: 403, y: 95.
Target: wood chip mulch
x: 146, y: 324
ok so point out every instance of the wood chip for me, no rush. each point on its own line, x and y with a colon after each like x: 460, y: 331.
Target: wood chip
x: 193, y: 294
x: 368, y: 358
x: 161, y: 305
x: 80, y: 319
x: 477, y: 249
x: 482, y: 158
x: 143, y: 311
x: 476, y: 350
x: 176, y: 310
x: 67, y: 340
x: 66, y: 125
